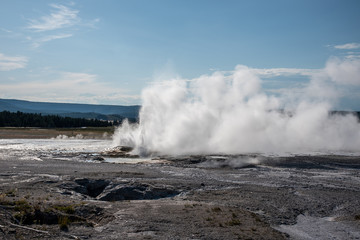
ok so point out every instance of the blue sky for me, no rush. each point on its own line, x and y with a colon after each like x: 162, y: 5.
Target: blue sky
x: 106, y: 52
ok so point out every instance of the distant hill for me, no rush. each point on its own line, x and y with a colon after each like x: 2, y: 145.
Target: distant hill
x: 89, y: 111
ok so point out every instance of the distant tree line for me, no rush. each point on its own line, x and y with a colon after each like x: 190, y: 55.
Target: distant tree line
x: 20, y: 119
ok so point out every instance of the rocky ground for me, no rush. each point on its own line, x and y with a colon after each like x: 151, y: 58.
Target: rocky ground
x: 193, y: 197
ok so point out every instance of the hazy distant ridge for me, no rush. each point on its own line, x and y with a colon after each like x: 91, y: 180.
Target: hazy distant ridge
x: 106, y: 112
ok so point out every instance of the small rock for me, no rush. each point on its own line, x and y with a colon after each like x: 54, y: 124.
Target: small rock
x: 98, y: 158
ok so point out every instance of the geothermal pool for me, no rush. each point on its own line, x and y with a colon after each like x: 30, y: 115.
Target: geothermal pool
x: 62, y: 148
x: 89, y: 150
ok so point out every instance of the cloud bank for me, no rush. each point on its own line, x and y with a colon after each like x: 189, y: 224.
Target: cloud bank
x: 8, y: 63
x: 232, y: 114
x: 275, y: 72
x: 348, y: 46
x: 68, y: 87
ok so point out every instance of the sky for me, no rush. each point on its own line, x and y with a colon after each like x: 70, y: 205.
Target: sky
x: 107, y: 52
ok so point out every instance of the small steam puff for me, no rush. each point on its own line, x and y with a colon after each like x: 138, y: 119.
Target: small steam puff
x: 231, y: 114
x: 65, y: 137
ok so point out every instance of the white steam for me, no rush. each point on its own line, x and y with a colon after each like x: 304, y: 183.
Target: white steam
x: 232, y: 114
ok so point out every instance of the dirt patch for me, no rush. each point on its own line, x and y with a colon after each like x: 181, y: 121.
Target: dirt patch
x: 26, y: 219
x: 190, y: 220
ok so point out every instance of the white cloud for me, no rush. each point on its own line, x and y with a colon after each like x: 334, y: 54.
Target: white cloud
x: 53, y: 37
x: 91, y: 23
x: 348, y: 46
x: 59, y: 24
x: 278, y: 72
x: 5, y: 30
x: 78, y: 78
x: 353, y: 55
x: 38, y: 42
x: 275, y: 72
x: 8, y: 63
x: 69, y: 87
x: 60, y: 18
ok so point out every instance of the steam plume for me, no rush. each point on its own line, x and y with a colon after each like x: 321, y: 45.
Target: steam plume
x: 232, y: 114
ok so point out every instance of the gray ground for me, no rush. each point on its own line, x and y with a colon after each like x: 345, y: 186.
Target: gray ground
x: 198, y: 197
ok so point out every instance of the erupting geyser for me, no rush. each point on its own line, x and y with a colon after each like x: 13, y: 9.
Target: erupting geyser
x: 232, y: 114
